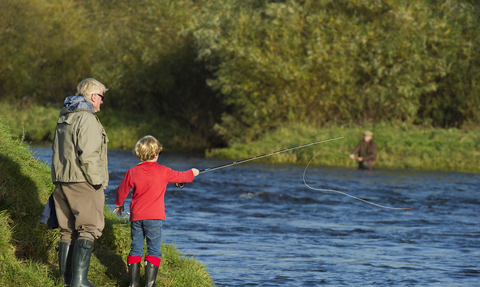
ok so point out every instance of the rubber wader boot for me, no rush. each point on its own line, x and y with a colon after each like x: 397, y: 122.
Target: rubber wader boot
x: 81, y: 261
x: 150, y: 274
x: 65, y: 254
x: 134, y: 271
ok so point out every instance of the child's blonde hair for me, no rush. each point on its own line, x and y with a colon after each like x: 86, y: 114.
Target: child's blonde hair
x: 147, y: 147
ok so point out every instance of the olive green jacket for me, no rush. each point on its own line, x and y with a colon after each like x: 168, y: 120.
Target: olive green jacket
x: 79, y: 147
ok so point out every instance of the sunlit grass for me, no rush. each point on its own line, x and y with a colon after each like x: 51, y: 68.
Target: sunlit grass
x: 399, y: 146
x: 27, y: 248
x: 36, y: 124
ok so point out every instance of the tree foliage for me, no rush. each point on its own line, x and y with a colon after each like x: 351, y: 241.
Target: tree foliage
x: 45, y: 47
x: 342, y: 61
x: 235, y: 68
x: 154, y: 63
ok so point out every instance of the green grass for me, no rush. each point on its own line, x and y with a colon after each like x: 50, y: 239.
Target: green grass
x: 27, y: 254
x: 36, y: 124
x: 399, y: 146
x: 15, y: 271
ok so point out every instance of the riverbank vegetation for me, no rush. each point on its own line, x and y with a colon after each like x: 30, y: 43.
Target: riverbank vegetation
x: 398, y: 146
x: 28, y: 257
x: 206, y: 74
x: 36, y: 124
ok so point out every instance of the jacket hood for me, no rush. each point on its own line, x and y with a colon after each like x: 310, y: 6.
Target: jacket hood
x: 72, y: 103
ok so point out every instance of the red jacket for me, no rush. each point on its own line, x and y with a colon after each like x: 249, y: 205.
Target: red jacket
x: 149, y: 183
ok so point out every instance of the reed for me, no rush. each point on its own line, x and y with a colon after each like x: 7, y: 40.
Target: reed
x: 27, y: 254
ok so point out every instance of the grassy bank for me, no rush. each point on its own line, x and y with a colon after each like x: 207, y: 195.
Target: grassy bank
x: 27, y: 254
x: 37, y: 124
x: 399, y: 146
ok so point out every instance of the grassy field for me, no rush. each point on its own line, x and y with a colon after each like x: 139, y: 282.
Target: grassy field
x: 398, y: 146
x: 27, y: 254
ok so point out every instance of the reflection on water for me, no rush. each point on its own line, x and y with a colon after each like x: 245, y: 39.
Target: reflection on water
x: 257, y: 224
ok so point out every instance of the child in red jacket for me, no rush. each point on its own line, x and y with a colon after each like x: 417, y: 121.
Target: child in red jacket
x: 149, y: 182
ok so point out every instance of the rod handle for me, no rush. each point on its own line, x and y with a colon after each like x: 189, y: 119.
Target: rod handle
x: 180, y: 185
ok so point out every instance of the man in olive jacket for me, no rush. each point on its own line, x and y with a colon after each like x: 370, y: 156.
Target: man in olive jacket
x: 80, y: 175
x: 366, y: 150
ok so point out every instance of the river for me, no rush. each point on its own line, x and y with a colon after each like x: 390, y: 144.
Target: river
x: 257, y: 224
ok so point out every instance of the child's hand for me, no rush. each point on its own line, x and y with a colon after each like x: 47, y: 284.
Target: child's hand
x: 119, y: 210
x: 195, y: 171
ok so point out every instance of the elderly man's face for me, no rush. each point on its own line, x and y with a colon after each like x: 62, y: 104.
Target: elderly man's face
x: 367, y: 137
x: 97, y: 100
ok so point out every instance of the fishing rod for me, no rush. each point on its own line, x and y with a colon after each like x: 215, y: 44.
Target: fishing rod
x: 181, y: 185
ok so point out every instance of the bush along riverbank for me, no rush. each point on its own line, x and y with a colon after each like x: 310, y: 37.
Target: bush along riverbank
x: 399, y: 146
x: 27, y: 247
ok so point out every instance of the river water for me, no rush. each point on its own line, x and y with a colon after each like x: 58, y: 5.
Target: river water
x: 257, y: 224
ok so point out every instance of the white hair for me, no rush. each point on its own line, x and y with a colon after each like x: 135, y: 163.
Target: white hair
x: 90, y: 86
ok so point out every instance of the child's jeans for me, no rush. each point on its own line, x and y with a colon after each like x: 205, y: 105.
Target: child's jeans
x: 150, y: 229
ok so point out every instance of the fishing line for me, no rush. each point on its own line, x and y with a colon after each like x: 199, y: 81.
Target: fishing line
x: 181, y: 185
x: 358, y: 198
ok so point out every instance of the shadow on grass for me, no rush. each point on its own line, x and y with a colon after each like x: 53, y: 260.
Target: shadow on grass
x: 110, y: 249
x: 23, y: 189
x: 20, y: 197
